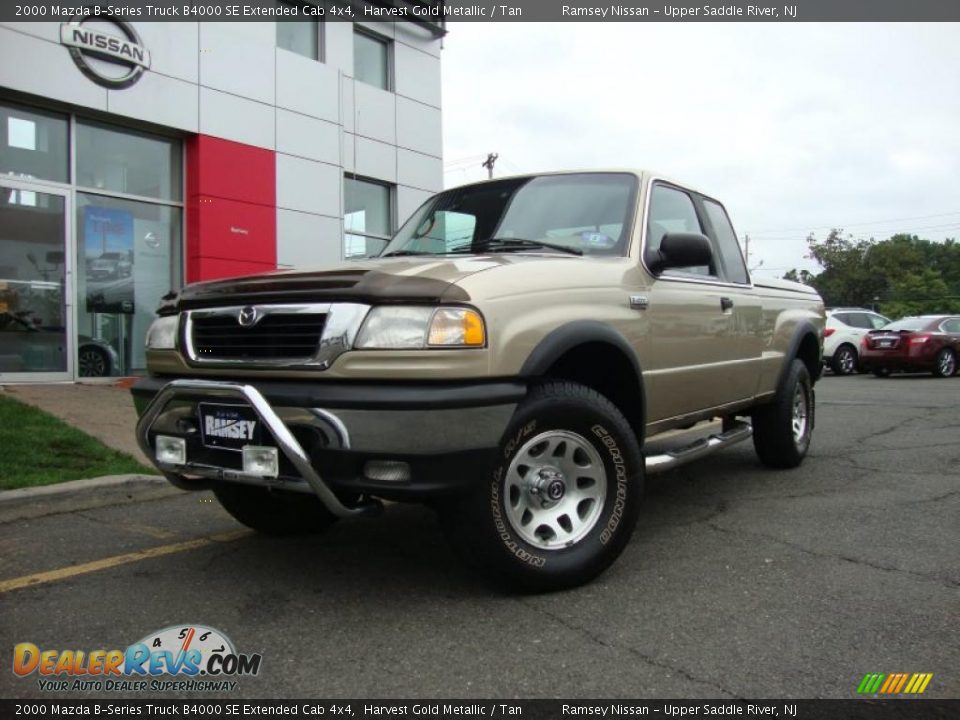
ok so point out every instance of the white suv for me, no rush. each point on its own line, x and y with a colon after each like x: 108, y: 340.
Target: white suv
x: 841, y: 338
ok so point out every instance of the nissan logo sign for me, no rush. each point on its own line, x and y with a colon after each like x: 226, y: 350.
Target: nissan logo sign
x: 108, y: 58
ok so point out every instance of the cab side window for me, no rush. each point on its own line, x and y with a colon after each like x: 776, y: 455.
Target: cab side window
x: 672, y: 211
x: 734, y: 268
x: 952, y: 326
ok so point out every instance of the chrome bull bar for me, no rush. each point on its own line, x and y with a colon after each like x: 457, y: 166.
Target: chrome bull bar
x: 286, y: 441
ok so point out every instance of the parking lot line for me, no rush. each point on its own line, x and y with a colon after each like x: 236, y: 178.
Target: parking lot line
x: 96, y: 565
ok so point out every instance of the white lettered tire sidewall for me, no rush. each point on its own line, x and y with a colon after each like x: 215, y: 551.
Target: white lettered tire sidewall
x: 572, y: 408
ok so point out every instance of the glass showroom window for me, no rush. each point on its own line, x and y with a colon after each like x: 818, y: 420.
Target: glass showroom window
x: 367, y: 218
x: 129, y: 214
x: 299, y: 36
x: 33, y: 144
x: 371, y: 59
x: 127, y: 162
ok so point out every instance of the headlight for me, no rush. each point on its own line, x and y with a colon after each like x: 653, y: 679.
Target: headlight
x: 162, y: 334
x: 456, y: 326
x: 416, y: 328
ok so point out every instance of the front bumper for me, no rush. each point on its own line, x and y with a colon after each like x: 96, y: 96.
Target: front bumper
x: 338, y: 441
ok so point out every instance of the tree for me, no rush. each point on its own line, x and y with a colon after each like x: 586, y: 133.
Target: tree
x: 907, y: 274
x: 801, y: 276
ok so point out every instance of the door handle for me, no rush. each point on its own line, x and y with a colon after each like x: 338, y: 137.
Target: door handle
x: 726, y: 303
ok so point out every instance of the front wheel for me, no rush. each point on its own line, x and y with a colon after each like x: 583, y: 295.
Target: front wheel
x: 946, y: 363
x: 274, y: 512
x: 782, y: 429
x: 562, y: 500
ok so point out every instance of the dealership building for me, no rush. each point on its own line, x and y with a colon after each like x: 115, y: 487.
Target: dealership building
x: 137, y: 156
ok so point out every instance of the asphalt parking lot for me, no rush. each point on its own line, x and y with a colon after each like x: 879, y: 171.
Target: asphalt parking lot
x: 739, y: 582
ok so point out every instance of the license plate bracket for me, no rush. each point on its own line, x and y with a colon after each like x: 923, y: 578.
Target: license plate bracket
x: 230, y: 426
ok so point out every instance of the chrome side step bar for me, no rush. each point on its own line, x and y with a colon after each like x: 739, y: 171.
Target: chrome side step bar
x: 738, y: 432
x: 285, y: 440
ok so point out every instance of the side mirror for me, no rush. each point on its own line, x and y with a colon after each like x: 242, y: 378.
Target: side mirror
x: 679, y: 250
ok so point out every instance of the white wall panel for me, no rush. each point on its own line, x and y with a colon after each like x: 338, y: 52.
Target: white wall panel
x: 417, y: 75
x: 338, y: 46
x: 174, y: 48
x: 370, y: 158
x: 418, y: 170
x: 418, y: 127
x: 45, y: 30
x: 42, y: 68
x: 418, y: 37
x: 307, y: 86
x: 236, y: 60
x: 374, y: 113
x: 305, y: 240
x: 159, y: 99
x: 308, y: 137
x: 234, y: 118
x: 308, y: 186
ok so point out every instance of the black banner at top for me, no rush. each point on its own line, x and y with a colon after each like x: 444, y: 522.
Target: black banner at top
x: 433, y: 14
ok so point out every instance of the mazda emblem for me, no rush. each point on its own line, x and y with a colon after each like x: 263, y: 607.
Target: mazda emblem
x: 248, y: 316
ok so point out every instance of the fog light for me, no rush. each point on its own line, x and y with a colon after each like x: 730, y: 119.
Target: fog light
x: 171, y: 450
x: 387, y: 470
x: 261, y: 461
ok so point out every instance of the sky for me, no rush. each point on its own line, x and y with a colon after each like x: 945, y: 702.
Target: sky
x: 796, y: 128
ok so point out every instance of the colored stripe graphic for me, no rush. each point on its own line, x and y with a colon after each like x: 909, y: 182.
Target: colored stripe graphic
x: 894, y: 683
x: 891, y: 679
x: 870, y: 683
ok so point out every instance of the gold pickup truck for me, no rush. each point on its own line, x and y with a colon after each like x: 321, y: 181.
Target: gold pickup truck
x: 507, y: 358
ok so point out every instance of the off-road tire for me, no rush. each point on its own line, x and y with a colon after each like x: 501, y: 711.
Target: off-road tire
x: 274, y: 512
x: 945, y: 364
x: 845, y: 360
x: 485, y: 525
x: 775, y: 435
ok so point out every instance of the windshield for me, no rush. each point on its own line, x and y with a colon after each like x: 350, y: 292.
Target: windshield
x: 588, y: 213
x: 910, y: 323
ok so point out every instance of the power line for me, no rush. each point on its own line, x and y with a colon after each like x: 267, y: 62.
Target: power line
x: 847, y: 225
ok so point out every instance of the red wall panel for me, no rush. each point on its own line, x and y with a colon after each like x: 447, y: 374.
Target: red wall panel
x: 231, y: 209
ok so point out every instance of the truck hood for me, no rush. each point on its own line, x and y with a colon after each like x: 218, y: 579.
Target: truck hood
x: 400, y: 280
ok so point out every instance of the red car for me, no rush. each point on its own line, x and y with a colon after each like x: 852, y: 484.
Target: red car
x: 929, y: 342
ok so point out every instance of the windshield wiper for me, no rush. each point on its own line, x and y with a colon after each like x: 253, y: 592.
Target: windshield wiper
x: 405, y: 253
x: 510, y: 244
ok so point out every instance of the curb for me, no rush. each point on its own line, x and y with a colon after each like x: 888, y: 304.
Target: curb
x: 34, y: 502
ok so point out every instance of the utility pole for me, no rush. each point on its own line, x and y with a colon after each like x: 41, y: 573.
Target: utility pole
x: 488, y: 163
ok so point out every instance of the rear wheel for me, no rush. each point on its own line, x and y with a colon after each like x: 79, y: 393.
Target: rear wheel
x: 844, y: 360
x: 946, y: 363
x: 274, y: 512
x: 782, y: 429
x: 563, y: 498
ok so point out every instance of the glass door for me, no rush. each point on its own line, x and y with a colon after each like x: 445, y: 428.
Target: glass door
x: 36, y: 308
